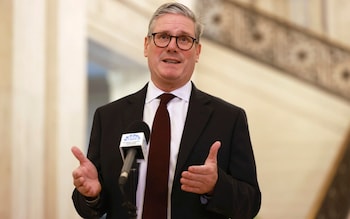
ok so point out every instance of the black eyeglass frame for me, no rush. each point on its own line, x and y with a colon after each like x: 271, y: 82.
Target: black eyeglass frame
x: 194, y: 40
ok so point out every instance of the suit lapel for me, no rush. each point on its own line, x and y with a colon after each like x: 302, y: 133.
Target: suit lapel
x: 134, y: 107
x: 198, y: 115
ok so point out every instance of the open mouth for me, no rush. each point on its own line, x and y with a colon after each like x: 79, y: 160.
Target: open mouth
x: 171, y: 61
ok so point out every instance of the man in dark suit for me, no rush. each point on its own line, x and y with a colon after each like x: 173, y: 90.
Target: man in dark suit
x: 212, y: 171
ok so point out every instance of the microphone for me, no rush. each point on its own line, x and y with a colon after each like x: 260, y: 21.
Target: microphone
x: 132, y: 146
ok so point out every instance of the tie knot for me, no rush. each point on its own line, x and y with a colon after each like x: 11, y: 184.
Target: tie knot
x: 165, y: 98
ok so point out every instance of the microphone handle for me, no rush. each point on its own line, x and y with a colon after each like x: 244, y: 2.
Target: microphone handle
x: 129, y: 160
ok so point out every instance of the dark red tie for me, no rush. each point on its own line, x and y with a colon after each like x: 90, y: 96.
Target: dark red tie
x: 156, y: 192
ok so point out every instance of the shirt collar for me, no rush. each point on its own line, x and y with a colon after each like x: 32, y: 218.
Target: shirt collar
x: 183, y: 92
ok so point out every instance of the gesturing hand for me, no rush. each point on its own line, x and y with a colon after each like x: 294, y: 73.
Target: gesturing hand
x: 85, y: 177
x: 201, y: 179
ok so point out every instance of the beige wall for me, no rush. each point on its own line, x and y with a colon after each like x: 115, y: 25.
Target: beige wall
x: 326, y: 17
x: 338, y: 20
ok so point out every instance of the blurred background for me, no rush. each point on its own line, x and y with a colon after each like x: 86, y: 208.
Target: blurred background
x: 286, y: 62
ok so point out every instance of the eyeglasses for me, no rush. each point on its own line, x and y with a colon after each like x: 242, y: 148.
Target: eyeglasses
x: 183, y: 42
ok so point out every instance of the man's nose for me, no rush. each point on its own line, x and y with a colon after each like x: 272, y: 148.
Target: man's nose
x: 172, y: 44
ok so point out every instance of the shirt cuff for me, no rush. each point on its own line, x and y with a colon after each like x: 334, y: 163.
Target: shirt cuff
x: 92, y: 201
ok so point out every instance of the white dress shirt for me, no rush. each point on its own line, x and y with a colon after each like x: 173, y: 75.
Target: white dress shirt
x: 177, y: 108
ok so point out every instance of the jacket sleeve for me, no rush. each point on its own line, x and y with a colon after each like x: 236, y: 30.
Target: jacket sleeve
x: 83, y: 207
x: 237, y: 194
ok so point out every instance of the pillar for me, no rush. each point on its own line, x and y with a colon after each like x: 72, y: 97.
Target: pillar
x: 43, y: 105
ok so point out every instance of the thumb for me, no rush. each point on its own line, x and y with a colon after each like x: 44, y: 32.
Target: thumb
x: 213, y: 153
x: 78, y: 154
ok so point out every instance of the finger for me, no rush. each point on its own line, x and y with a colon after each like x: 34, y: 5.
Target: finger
x: 187, y: 175
x: 196, y: 190
x: 78, y: 154
x: 195, y: 173
x: 213, y: 153
x: 77, y: 173
x: 78, y: 182
x: 190, y: 182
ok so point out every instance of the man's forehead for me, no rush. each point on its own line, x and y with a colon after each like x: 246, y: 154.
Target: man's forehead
x: 174, y: 23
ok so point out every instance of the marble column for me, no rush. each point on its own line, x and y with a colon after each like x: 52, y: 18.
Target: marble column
x: 5, y: 106
x: 43, y: 105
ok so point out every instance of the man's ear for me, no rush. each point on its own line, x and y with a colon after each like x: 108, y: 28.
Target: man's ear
x: 198, y: 51
x: 145, y: 49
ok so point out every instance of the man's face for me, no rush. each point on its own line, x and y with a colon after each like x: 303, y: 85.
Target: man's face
x: 171, y: 67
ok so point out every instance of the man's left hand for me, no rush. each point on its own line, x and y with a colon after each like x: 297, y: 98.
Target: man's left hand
x: 201, y: 179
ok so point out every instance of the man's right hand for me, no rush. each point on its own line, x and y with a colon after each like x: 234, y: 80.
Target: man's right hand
x: 85, y: 177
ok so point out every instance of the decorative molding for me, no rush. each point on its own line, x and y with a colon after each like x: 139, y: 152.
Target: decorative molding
x: 280, y: 44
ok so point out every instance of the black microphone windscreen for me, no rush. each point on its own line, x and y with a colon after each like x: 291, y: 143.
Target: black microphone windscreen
x: 139, y: 126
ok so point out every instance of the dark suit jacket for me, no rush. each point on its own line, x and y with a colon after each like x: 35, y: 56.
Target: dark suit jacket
x: 236, y: 194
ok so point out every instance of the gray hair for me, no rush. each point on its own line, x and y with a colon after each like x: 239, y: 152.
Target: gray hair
x: 176, y: 8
